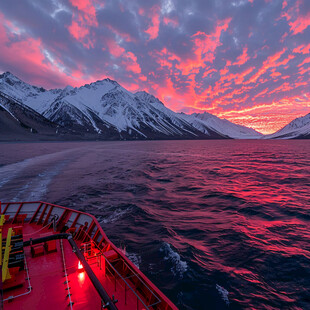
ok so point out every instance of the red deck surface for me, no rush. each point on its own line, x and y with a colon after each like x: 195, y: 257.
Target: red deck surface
x: 47, y: 279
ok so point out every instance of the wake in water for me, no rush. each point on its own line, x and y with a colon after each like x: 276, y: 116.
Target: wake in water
x: 179, y: 266
x: 115, y: 216
x: 135, y: 258
x: 36, y: 189
x: 29, y: 179
x: 224, y: 293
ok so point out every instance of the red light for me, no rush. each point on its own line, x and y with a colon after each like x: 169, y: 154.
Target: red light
x: 81, y: 276
x: 80, y: 266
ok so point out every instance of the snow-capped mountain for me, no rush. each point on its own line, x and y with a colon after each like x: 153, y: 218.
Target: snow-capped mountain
x: 206, y: 121
x: 299, y: 128
x: 106, y: 110
x: 18, y: 121
x: 35, y: 97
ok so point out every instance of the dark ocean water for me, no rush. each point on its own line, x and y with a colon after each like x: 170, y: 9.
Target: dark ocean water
x: 214, y: 224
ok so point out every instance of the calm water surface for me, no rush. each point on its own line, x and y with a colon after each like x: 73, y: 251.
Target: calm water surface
x: 214, y: 224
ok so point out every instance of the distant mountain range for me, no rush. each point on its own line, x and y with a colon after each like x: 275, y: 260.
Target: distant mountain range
x: 299, y: 128
x: 104, y: 110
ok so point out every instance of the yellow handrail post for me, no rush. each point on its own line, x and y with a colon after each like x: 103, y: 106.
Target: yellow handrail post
x: 5, y: 269
x: 2, y: 219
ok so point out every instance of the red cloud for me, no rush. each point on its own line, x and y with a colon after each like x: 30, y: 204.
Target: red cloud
x: 77, y: 30
x: 152, y: 31
x: 208, y: 72
x: 282, y: 88
x: 82, y: 21
x: 87, y: 11
x: 268, y: 118
x: 275, y: 74
x: 240, y: 77
x: 115, y: 49
x: 303, y: 70
x: 171, y: 21
x: 205, y: 46
x: 302, y: 49
x: 123, y: 35
x: 164, y: 58
x: 285, y: 61
x: 268, y: 63
x: 306, y: 60
x: 224, y: 71
x: 27, y: 55
x: 143, y: 78
x: 243, y: 58
x: 130, y: 63
x: 300, y: 24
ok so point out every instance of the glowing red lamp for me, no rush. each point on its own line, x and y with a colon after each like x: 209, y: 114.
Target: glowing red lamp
x: 80, y: 267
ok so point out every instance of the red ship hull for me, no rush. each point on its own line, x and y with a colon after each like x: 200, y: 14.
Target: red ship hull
x: 52, y: 275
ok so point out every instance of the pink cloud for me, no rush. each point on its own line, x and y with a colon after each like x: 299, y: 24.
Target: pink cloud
x: 205, y: 46
x: 82, y: 21
x: 285, y: 61
x: 171, y: 21
x: 269, y: 117
x: 153, y: 29
x: 302, y: 70
x: 300, y: 24
x: 268, y: 63
x: 77, y: 30
x: 114, y: 48
x: 243, y: 58
x: 130, y: 63
x: 297, y: 21
x: 303, y: 49
x: 240, y: 77
x: 275, y: 74
x: 305, y: 61
x: 27, y: 54
x: 164, y: 58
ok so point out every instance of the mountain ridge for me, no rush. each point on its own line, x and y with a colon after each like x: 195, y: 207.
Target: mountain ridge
x: 299, y: 128
x: 106, y: 110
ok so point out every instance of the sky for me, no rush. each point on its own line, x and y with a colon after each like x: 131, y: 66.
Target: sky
x: 244, y: 60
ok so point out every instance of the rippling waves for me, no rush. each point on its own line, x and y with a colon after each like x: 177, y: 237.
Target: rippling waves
x: 214, y: 224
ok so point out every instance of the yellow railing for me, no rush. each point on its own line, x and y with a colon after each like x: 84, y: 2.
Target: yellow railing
x: 5, y: 269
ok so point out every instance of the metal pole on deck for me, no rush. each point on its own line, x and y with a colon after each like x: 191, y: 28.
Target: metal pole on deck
x: 108, y: 302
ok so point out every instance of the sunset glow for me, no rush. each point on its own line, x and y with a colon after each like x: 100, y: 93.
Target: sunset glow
x: 246, y: 61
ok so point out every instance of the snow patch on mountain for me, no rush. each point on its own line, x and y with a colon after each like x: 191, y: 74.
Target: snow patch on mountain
x: 37, y: 98
x: 298, y: 128
x: 206, y: 121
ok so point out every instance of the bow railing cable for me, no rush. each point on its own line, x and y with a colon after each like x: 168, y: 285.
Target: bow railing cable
x: 158, y: 300
x: 66, y: 275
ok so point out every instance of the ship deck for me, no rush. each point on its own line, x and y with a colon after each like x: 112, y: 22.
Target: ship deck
x: 48, y: 281
x: 77, y: 268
